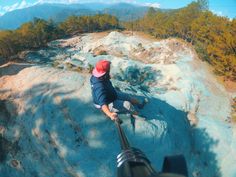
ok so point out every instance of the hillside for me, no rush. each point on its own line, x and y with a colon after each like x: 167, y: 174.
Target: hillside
x: 59, y: 12
x: 49, y: 127
x: 56, y: 12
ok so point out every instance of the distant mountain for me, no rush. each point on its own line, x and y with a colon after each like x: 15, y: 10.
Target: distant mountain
x: 59, y: 12
x: 126, y: 12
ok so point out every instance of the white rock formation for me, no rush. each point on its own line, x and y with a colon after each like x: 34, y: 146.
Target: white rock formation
x: 49, y: 127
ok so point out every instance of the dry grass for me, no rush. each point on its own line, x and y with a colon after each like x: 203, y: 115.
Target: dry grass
x: 142, y: 35
x: 99, y: 35
x: 229, y: 85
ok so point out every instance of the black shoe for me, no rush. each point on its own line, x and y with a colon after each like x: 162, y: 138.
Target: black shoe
x: 144, y: 102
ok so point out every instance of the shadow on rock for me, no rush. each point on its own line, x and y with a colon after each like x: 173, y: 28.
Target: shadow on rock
x: 203, y: 159
x: 5, y: 115
x: 142, y: 78
x: 12, y: 68
x: 167, y: 132
x: 7, y: 147
x: 60, y: 135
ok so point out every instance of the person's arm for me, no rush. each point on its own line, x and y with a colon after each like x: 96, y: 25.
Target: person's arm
x: 110, y: 114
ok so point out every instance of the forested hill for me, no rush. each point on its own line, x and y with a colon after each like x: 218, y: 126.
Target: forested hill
x: 56, y: 12
x: 214, y: 37
x: 59, y: 12
x: 37, y: 33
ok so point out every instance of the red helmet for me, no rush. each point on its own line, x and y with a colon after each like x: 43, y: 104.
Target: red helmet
x: 101, y: 68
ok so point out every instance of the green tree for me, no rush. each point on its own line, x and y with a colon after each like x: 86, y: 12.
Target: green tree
x: 212, y: 36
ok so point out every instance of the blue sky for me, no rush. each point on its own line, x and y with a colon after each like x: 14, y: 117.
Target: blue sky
x: 220, y: 7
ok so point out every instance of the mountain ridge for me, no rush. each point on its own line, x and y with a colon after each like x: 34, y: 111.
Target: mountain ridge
x: 59, y: 12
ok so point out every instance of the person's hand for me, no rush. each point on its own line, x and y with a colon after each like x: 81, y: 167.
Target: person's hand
x: 113, y: 116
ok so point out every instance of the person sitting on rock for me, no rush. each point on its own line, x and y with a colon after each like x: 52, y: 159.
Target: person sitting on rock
x: 106, y: 97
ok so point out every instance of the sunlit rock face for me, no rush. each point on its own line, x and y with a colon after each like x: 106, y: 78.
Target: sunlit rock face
x: 49, y: 126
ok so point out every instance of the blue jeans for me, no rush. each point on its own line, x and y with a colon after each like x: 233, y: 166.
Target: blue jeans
x: 121, y: 105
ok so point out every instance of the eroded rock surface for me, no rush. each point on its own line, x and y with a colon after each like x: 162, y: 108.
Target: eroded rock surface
x: 54, y: 130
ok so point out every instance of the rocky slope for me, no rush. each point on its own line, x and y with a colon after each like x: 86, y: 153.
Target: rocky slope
x: 49, y: 126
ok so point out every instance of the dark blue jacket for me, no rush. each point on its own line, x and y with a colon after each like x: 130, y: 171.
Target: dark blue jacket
x: 102, y: 91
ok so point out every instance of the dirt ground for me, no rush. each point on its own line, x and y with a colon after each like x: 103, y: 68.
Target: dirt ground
x: 229, y: 85
x: 100, y: 35
x: 143, y: 35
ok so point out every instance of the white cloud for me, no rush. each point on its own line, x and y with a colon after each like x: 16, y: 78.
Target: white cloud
x: 73, y: 1
x: 85, y: 1
x: 58, y: 1
x: 21, y: 5
x: 156, y: 5
x: 10, y: 8
x: 1, y: 11
x: 219, y: 13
